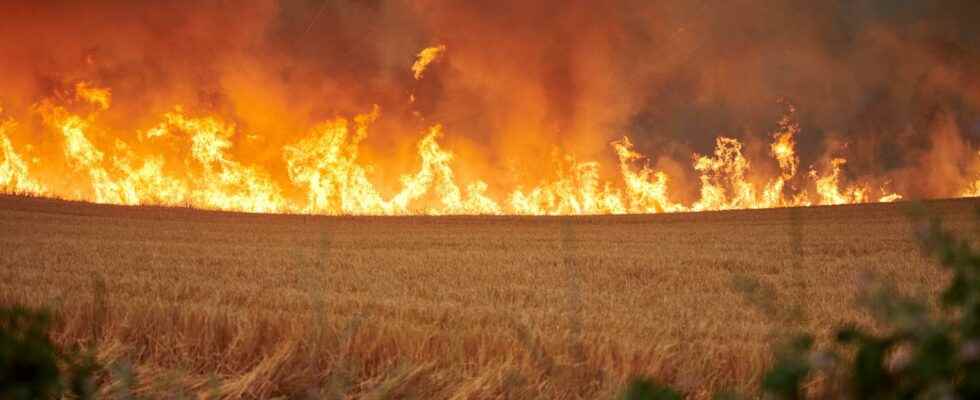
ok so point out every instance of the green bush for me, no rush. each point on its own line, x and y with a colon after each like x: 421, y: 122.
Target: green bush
x: 28, y: 359
x: 31, y: 366
x: 643, y: 388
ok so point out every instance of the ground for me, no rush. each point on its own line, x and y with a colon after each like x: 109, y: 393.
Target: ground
x: 440, y: 307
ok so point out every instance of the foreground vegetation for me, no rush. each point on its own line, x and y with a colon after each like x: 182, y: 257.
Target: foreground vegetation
x: 182, y: 301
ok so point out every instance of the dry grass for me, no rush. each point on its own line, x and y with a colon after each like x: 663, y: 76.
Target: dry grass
x: 456, y: 307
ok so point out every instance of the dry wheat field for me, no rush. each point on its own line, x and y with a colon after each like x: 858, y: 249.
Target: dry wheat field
x: 194, y: 302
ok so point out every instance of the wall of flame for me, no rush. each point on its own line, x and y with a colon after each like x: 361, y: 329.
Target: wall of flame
x: 409, y: 107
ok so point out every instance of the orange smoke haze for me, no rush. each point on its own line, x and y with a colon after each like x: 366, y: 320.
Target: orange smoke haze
x: 439, y: 107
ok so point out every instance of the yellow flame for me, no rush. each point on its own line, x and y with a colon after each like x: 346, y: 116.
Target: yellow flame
x: 723, y: 183
x: 189, y: 160
x: 101, y: 97
x: 326, y: 165
x: 973, y: 189
x: 222, y: 183
x: 14, y: 173
x: 646, y: 189
x: 830, y: 191
x: 890, y: 197
x: 426, y: 57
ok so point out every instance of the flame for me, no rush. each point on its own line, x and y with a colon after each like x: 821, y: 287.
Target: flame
x: 783, y: 149
x: 221, y: 182
x: 577, y: 191
x: 829, y: 190
x: 14, y: 173
x: 832, y: 193
x: 889, y: 197
x: 101, y: 97
x: 973, y: 189
x: 187, y: 159
x: 723, y: 184
x: 424, y: 58
x: 326, y: 165
x: 646, y: 189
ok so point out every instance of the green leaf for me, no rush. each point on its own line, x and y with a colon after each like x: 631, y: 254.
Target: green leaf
x: 647, y: 389
x: 869, y: 377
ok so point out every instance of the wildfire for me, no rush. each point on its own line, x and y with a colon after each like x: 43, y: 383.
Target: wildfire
x: 194, y: 165
x: 187, y: 159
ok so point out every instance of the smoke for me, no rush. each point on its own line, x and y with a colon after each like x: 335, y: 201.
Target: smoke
x: 889, y: 85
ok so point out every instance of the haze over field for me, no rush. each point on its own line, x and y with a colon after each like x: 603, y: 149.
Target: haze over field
x: 438, y: 107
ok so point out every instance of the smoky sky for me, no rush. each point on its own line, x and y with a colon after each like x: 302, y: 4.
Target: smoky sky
x: 884, y: 83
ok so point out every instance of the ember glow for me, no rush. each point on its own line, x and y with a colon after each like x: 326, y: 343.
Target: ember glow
x: 293, y: 109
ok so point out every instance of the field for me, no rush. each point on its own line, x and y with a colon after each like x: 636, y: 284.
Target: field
x: 448, y: 307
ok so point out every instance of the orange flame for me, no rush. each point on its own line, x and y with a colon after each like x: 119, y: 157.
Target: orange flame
x: 973, y: 190
x: 101, y: 97
x: 426, y: 57
x: 14, y: 173
x: 192, y: 162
